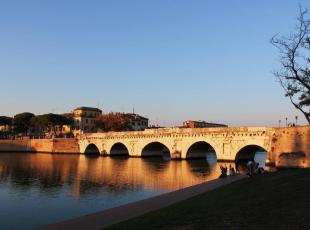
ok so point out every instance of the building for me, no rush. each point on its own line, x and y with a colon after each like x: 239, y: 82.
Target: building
x: 137, y: 122
x: 5, y: 128
x: 201, y: 124
x: 85, y: 119
x: 68, y: 128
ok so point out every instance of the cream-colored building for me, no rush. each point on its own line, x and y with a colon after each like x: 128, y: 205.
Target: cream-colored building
x: 85, y: 119
x: 137, y: 122
x: 5, y: 128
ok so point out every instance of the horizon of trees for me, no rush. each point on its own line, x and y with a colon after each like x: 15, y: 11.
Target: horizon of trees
x: 27, y: 123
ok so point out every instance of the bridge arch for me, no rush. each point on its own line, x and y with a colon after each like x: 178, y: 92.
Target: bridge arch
x: 193, y: 145
x: 200, y: 149
x: 92, y: 149
x: 154, y: 149
x: 249, y: 152
x: 119, y: 149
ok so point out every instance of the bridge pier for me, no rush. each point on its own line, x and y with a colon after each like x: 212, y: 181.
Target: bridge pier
x: 176, y: 155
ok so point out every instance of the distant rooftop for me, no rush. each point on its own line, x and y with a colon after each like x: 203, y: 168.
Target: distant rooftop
x: 88, y: 109
x: 135, y: 116
x: 204, y: 123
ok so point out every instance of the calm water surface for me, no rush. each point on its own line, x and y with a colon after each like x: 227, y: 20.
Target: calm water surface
x: 40, y: 189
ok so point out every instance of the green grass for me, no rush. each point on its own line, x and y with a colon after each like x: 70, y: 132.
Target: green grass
x: 271, y: 201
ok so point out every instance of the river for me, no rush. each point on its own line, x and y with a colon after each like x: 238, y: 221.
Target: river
x: 40, y: 189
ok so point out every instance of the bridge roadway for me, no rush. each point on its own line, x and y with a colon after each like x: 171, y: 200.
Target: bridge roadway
x: 284, y: 146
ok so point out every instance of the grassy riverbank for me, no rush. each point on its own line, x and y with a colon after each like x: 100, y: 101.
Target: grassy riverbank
x: 271, y: 201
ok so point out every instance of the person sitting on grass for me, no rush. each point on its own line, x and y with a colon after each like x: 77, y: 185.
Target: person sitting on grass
x: 250, y: 167
x: 256, y: 165
x: 237, y: 166
x: 223, y: 171
x: 259, y: 170
x: 231, y: 171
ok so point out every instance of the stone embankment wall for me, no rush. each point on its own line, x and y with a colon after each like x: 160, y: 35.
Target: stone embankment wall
x: 68, y: 145
x: 290, y: 147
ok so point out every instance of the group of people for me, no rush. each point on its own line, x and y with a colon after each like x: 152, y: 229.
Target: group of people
x: 224, y: 171
x: 252, y: 167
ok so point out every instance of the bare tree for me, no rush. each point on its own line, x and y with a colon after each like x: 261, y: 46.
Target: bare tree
x: 114, y: 122
x: 294, y: 75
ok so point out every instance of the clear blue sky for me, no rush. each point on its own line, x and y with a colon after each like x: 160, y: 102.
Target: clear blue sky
x: 171, y: 60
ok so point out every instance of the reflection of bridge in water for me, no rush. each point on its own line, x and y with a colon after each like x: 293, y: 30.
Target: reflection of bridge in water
x: 87, y: 174
x: 67, y: 186
x: 284, y: 146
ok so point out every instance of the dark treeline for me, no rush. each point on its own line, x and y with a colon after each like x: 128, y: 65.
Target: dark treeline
x: 28, y: 124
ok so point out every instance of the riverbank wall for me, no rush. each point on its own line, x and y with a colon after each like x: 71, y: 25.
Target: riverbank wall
x: 57, y: 145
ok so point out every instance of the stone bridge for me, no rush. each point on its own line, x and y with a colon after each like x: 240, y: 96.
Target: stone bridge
x: 284, y: 146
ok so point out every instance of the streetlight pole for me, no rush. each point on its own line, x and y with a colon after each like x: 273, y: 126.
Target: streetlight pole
x: 286, y: 121
x: 296, y: 118
x: 279, y: 123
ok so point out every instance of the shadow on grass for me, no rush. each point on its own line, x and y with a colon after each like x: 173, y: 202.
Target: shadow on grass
x: 271, y: 201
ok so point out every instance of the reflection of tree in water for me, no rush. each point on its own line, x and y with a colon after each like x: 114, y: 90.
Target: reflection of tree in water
x: 4, y: 173
x: 156, y: 163
x: 23, y: 178
x: 50, y: 181
x: 24, y: 172
x: 200, y: 167
x: 203, y: 166
x: 90, y: 187
x: 43, y: 181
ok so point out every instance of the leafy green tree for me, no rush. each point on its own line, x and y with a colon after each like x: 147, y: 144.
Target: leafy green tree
x: 294, y: 74
x: 50, y: 122
x: 6, y: 120
x: 23, y: 122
